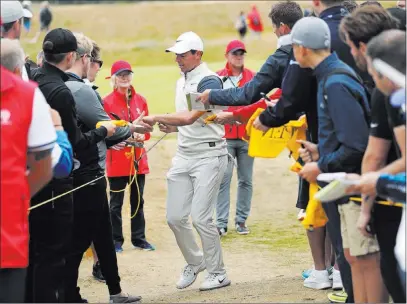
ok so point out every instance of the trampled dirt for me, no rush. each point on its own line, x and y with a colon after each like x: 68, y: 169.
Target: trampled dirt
x: 264, y: 266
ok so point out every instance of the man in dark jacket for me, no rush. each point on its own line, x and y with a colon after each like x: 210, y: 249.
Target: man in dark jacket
x: 357, y: 30
x: 52, y: 224
x: 283, y: 16
x: 342, y: 104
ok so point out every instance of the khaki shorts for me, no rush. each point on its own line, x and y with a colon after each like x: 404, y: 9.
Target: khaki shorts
x: 352, y: 239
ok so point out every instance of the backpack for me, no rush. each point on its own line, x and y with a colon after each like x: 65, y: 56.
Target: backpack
x: 339, y: 71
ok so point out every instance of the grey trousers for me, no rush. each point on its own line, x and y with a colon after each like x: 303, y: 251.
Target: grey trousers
x: 193, y: 186
x: 237, y: 149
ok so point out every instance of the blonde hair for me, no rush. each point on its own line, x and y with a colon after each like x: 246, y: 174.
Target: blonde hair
x: 85, y: 45
x: 113, y: 80
x: 95, y: 51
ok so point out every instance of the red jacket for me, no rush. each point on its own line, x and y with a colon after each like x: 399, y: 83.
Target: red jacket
x: 243, y: 114
x: 16, y: 113
x: 236, y: 131
x: 254, y: 21
x: 119, y: 163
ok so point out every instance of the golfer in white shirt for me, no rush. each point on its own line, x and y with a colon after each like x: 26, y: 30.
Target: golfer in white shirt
x: 197, y: 171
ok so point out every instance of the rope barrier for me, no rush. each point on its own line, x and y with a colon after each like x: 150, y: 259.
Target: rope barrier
x: 131, y: 180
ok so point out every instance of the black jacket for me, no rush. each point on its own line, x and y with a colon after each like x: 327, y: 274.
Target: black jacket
x: 333, y: 16
x: 299, y: 94
x: 268, y: 78
x: 51, y: 82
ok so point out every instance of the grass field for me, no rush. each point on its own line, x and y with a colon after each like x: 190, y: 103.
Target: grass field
x: 157, y: 83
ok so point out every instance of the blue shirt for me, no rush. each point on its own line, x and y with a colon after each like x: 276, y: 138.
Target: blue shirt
x: 342, y: 129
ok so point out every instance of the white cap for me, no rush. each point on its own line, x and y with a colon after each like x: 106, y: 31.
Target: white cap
x: 12, y: 11
x: 186, y: 42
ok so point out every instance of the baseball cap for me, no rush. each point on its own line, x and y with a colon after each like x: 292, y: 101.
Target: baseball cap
x: 312, y: 33
x: 210, y: 82
x: 12, y: 11
x: 59, y: 41
x: 186, y: 42
x: 119, y: 66
x: 235, y: 45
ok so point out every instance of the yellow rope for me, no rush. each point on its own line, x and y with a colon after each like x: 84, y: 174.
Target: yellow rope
x: 63, y: 194
x: 131, y: 180
x: 385, y: 203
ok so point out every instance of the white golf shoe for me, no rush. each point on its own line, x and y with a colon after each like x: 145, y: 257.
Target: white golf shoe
x: 318, y: 279
x: 214, y: 280
x: 188, y: 276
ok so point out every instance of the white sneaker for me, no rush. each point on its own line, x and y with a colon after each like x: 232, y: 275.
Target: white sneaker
x: 188, y: 276
x: 336, y: 280
x: 318, y: 279
x: 214, y: 280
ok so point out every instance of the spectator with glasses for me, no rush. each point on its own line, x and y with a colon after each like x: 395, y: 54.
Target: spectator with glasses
x: 95, y: 65
x: 91, y: 207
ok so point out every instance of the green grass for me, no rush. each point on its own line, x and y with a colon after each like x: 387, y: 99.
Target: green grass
x: 157, y: 83
x: 268, y: 235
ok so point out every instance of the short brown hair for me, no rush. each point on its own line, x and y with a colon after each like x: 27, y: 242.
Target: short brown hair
x: 365, y: 23
x: 287, y: 12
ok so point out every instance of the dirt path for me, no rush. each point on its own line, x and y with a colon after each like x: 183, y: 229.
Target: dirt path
x: 263, y: 266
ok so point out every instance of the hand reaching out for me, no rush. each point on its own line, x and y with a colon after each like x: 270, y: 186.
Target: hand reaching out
x: 167, y: 128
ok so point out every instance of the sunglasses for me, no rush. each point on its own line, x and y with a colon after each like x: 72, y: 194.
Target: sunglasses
x: 97, y: 61
x: 238, y: 53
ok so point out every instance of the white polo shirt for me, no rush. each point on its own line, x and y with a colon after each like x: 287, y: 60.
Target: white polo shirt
x: 196, y: 140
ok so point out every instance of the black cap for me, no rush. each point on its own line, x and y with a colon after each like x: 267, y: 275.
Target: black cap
x: 59, y: 41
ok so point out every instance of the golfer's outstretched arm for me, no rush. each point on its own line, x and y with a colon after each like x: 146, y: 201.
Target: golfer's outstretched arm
x: 175, y: 119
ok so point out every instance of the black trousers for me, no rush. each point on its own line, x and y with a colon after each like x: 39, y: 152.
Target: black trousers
x: 303, y: 194
x: 92, y: 224
x: 138, y: 223
x: 50, y: 243
x: 386, y: 222
x: 12, y: 285
x: 334, y: 230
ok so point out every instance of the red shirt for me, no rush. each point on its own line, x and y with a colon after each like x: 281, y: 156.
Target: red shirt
x: 236, y: 131
x: 119, y: 163
x: 16, y: 114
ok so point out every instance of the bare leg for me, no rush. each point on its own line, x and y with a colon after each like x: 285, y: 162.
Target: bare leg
x: 358, y: 281
x: 375, y: 289
x: 316, y: 241
x: 95, y: 256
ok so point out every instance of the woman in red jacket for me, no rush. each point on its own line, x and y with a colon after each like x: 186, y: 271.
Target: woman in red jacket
x: 128, y: 105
